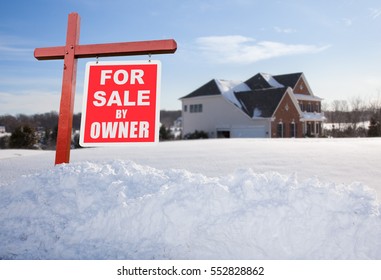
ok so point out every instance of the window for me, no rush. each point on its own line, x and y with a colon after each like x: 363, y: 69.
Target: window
x: 293, y: 132
x: 185, y: 108
x: 195, y: 108
x: 279, y: 130
x: 301, y: 106
x: 309, y: 109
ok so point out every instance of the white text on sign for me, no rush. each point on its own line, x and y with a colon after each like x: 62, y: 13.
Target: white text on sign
x: 121, y: 76
x: 114, y: 130
x: 142, y: 98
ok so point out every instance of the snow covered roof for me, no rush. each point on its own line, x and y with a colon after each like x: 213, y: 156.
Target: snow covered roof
x: 271, y: 81
x: 260, y: 103
x: 228, y: 88
x: 288, y: 80
x: 258, y: 96
x: 257, y: 82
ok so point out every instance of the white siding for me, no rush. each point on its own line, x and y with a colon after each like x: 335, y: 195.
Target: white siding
x: 220, y: 114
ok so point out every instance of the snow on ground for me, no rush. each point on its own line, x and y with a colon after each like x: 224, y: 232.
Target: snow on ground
x: 12, y: 153
x: 210, y: 199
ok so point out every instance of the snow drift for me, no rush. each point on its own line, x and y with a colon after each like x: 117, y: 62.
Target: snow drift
x: 122, y: 210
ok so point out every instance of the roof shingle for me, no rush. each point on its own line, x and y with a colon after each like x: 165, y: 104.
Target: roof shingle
x: 257, y: 82
x: 210, y: 88
x: 260, y: 103
x: 288, y: 80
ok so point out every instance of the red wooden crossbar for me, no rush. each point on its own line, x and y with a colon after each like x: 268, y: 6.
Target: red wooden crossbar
x: 112, y: 49
x: 70, y: 53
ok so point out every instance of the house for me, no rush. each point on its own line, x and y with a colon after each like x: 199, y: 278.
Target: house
x: 263, y: 106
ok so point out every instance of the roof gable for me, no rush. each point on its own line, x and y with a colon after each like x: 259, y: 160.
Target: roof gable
x: 288, y: 80
x: 260, y: 103
x: 302, y: 87
x: 294, y: 101
x: 257, y: 82
x: 210, y: 88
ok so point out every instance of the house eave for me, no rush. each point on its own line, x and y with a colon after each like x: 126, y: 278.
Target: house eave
x: 201, y: 97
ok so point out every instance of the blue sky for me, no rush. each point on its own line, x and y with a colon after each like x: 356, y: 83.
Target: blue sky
x: 336, y: 44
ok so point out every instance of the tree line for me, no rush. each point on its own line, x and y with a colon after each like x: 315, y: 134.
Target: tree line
x: 356, y: 117
x: 39, y: 131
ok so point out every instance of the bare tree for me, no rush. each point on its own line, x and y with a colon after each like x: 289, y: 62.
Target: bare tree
x: 339, y: 110
x: 375, y: 105
x: 357, y: 113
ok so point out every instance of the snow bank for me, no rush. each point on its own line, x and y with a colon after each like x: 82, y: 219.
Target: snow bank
x: 122, y: 210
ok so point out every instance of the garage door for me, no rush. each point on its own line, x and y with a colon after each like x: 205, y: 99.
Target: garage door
x: 258, y: 131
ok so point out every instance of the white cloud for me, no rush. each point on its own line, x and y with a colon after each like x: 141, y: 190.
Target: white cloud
x: 240, y: 49
x: 15, y: 53
x: 347, y: 22
x: 375, y: 13
x: 284, y: 30
x: 12, y: 47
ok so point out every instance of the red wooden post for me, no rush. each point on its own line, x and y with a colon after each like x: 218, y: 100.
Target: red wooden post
x: 65, y: 121
x: 70, y: 53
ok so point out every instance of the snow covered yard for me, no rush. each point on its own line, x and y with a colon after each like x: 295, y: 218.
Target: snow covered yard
x: 210, y: 199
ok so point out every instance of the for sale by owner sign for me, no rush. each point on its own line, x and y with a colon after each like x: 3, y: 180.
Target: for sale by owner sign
x: 120, y: 103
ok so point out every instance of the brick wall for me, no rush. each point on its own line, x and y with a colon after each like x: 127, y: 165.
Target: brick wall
x: 286, y: 114
x: 301, y: 88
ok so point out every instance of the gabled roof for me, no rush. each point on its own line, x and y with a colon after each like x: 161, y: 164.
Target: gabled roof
x: 257, y: 82
x: 210, y: 88
x: 288, y: 80
x: 260, y: 103
x: 262, y: 81
x: 259, y: 96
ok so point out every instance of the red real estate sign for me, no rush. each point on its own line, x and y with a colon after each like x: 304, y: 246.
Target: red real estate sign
x: 120, y: 103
